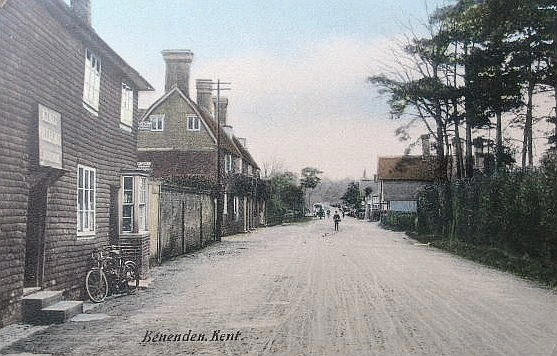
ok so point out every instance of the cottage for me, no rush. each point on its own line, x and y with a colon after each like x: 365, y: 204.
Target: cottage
x: 400, y: 179
x: 68, y: 112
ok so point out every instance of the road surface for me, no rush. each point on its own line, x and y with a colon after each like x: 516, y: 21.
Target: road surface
x: 304, y: 290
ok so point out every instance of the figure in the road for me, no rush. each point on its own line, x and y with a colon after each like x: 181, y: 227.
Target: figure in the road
x: 328, y: 213
x: 343, y: 213
x: 336, y: 219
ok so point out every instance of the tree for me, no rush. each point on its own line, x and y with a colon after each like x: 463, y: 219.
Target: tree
x: 310, y: 180
x: 352, y: 196
x: 285, y: 194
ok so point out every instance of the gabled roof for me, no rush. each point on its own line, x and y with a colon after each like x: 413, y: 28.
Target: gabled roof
x: 416, y: 168
x: 206, y: 119
x: 245, y: 153
x: 62, y: 12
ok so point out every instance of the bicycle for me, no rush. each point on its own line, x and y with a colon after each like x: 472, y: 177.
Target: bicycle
x: 110, y: 274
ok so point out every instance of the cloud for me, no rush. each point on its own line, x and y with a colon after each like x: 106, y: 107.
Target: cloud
x: 309, y: 107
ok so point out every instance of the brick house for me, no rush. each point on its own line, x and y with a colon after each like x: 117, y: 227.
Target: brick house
x: 68, y: 110
x: 178, y: 138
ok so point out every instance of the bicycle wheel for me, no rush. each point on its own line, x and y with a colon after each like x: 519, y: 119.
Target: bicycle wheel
x: 131, y: 276
x: 96, y: 285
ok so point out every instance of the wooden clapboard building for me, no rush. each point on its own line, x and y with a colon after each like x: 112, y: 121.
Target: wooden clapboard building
x: 68, y: 118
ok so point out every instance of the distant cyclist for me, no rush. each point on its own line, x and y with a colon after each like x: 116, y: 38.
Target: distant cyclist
x: 336, y: 219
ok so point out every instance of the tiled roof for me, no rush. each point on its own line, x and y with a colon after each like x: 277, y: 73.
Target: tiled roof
x: 226, y: 142
x: 406, y: 168
x: 245, y: 153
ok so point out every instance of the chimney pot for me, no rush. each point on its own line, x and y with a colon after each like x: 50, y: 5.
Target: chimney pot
x: 222, y: 109
x: 178, y: 62
x: 204, y: 94
x: 82, y: 9
x: 228, y: 130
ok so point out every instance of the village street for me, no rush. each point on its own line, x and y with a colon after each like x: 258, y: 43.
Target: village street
x: 303, y: 290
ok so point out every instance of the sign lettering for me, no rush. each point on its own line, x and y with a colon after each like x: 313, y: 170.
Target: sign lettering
x: 50, y: 138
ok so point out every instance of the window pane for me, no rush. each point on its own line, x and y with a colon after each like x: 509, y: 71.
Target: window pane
x: 128, y: 183
x: 127, y: 211
x: 127, y: 224
x: 92, y: 221
x: 128, y: 197
x: 92, y: 180
x: 85, y: 220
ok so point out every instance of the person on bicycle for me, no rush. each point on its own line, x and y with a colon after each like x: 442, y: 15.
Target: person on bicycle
x: 336, y: 219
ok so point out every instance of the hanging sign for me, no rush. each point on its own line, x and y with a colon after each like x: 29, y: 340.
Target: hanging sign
x: 50, y: 138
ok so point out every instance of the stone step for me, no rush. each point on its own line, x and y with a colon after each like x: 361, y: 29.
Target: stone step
x: 33, y: 303
x: 61, y: 311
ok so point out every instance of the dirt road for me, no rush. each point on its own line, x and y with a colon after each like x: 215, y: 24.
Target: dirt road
x: 304, y: 290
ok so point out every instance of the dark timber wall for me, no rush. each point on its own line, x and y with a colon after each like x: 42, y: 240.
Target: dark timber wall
x: 42, y: 61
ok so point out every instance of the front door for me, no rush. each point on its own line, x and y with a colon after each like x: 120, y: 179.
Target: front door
x: 34, y: 242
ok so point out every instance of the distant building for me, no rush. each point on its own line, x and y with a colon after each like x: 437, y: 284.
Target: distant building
x: 68, y: 109
x: 401, y: 178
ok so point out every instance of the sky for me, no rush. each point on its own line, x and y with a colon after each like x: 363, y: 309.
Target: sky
x: 298, y: 69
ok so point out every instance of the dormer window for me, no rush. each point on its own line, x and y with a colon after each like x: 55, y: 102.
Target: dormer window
x: 92, y: 81
x: 157, y: 122
x: 193, y: 123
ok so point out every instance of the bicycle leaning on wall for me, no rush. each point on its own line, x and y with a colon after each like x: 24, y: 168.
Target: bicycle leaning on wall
x: 110, y: 274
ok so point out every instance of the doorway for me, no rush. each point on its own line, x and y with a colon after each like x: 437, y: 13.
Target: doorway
x: 34, y: 241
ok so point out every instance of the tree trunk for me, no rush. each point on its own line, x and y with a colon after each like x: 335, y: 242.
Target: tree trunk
x: 499, y: 141
x: 458, y: 150
x: 527, y: 143
x: 469, y: 119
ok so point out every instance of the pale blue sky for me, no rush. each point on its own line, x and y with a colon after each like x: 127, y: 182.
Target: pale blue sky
x: 298, y: 68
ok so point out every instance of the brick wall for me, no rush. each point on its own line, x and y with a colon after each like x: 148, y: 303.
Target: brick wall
x: 42, y: 62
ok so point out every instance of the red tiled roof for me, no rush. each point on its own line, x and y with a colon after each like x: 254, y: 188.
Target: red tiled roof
x: 406, y: 168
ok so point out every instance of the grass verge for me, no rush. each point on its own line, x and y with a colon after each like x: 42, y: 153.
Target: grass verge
x: 529, y: 268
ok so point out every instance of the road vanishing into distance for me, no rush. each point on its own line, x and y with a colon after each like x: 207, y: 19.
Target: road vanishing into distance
x: 302, y: 289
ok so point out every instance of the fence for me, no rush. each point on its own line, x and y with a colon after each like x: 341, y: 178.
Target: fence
x: 182, y: 220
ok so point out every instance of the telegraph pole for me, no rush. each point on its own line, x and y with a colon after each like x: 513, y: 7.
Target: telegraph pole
x: 220, y: 184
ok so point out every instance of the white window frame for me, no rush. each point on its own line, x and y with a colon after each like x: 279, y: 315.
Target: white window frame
x: 92, y: 81
x: 138, y: 202
x: 142, y: 204
x: 193, y: 123
x: 130, y: 203
x: 126, y: 105
x: 238, y: 165
x: 227, y: 163
x: 236, y: 208
x: 86, y: 213
x: 159, y: 119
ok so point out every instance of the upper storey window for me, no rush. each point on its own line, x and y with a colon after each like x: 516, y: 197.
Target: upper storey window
x: 126, y: 107
x: 157, y: 122
x: 92, y: 82
x: 193, y: 123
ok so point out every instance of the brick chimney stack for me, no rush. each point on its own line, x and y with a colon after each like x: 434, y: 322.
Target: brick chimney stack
x: 82, y: 9
x: 178, y: 62
x: 205, y: 94
x: 222, y: 108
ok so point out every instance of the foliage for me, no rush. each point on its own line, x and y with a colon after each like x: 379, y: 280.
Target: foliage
x: 398, y: 221
x: 310, y: 178
x: 352, y: 196
x: 512, y: 211
x: 286, y: 197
